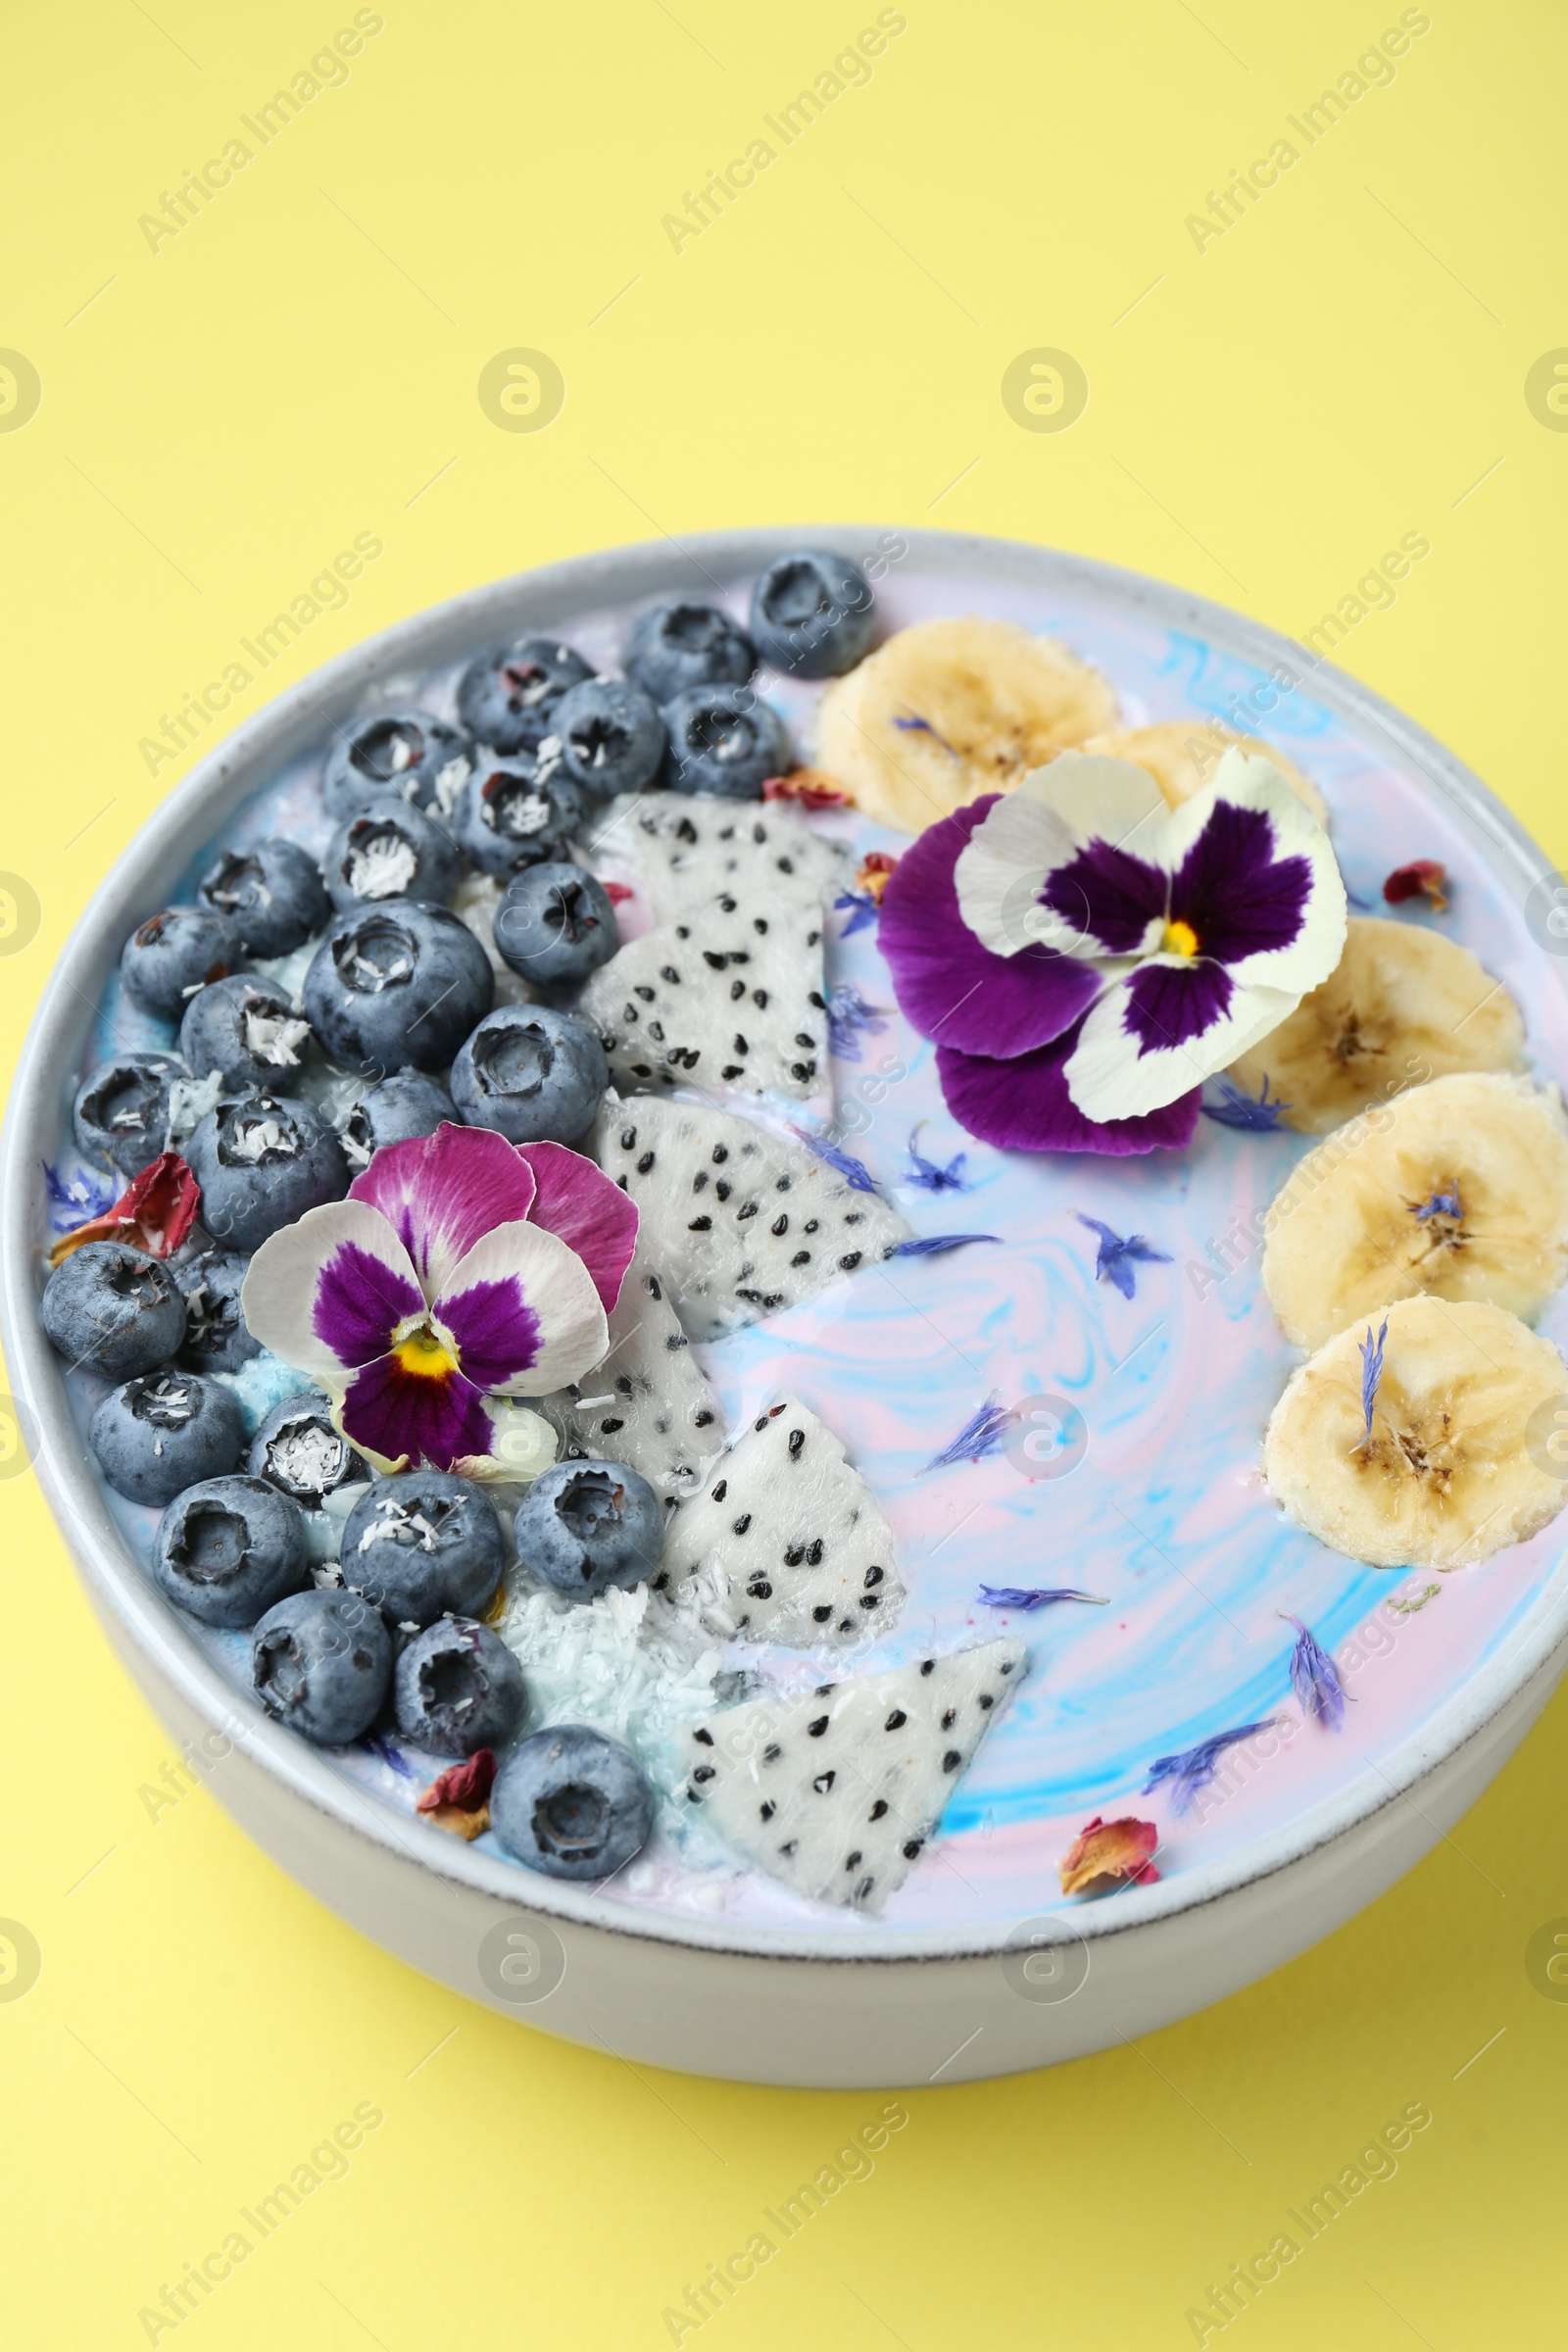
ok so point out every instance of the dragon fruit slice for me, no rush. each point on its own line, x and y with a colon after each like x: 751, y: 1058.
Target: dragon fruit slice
x: 787, y: 1542
x: 732, y: 995
x: 739, y: 1222
x: 837, y: 1792
x: 646, y: 1403
x: 685, y: 848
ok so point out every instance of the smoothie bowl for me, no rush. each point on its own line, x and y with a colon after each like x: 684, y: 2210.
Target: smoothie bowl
x: 801, y: 1299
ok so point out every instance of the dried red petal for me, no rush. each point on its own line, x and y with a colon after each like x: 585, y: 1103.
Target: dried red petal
x: 155, y: 1213
x: 1111, y: 1853
x: 462, y: 1788
x: 617, y: 894
x: 1423, y: 877
x: 813, y: 787
x: 875, y: 871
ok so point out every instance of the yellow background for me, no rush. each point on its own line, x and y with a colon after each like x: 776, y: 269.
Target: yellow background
x: 297, y: 366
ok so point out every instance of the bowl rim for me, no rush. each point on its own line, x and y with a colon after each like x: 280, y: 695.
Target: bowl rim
x: 547, y: 599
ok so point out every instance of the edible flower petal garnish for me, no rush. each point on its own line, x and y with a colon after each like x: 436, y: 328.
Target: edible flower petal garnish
x: 1371, y: 1352
x: 863, y: 901
x: 76, y: 1197
x: 1107, y: 1854
x: 155, y: 1213
x: 1315, y: 1679
x: 1422, y: 879
x: 984, y: 1433
x: 1085, y: 955
x: 811, y: 787
x: 1035, y: 1597
x: 1441, y: 1205
x: 848, y: 1015
x: 910, y: 722
x: 1193, y: 1768
x: 1239, y: 1110
x: 460, y: 1274
x: 1115, y: 1258
x: 931, y: 1245
x: 855, y: 1174
x: 459, y: 1798
x: 929, y: 1176
x: 1412, y: 1607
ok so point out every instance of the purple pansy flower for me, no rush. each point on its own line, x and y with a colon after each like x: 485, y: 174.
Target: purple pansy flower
x: 461, y: 1273
x: 1085, y: 955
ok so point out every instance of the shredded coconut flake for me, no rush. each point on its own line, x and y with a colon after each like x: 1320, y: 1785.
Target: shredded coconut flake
x: 383, y: 867
x: 276, y: 1038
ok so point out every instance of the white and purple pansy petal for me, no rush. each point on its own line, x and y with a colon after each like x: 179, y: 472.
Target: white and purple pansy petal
x: 1160, y: 1033
x: 592, y: 1215
x: 949, y: 984
x: 440, y: 1193
x: 522, y: 1313
x: 1070, y: 860
x: 1255, y: 918
x: 331, y: 1292
x: 1254, y: 880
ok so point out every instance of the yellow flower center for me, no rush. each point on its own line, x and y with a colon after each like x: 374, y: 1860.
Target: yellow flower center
x: 1180, y: 939
x: 424, y: 1355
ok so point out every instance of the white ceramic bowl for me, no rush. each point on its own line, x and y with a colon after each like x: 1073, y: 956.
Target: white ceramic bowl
x: 774, y: 2006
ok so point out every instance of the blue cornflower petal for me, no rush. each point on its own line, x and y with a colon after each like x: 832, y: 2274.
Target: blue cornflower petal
x: 1239, y: 1110
x: 1371, y: 1373
x: 984, y: 1433
x: 864, y: 910
x: 930, y: 1244
x: 855, y: 1172
x: 1115, y: 1258
x: 911, y: 723
x: 1315, y: 1678
x: 1034, y: 1597
x: 1193, y: 1768
x: 929, y: 1175
x: 848, y: 1014
x: 1441, y: 1205
x: 81, y: 1198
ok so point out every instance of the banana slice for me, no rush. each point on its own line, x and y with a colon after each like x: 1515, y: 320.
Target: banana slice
x: 1401, y: 1006
x: 1181, y: 755
x: 950, y: 709
x: 1453, y: 1470
x: 1457, y: 1190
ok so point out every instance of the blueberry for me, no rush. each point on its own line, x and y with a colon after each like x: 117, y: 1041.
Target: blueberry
x: 389, y: 850
x: 611, y: 736
x: 409, y: 753
x: 584, y: 1526
x: 458, y: 1687
x: 321, y: 1663
x: 272, y: 894
x: 812, y: 613
x: 246, y: 1030
x: 394, y: 1111
x: 169, y: 957
x: 533, y: 1075
x: 572, y: 1803
x: 165, y: 1429
x: 678, y: 645
x: 507, y: 697
x: 216, y: 1337
x: 114, y: 1310
x: 262, y: 1160
x: 121, y: 1113
x: 229, y: 1547
x: 297, y: 1451
x: 397, y: 983
x: 723, y: 740
x: 556, y: 924
x: 423, y: 1542
x: 519, y: 812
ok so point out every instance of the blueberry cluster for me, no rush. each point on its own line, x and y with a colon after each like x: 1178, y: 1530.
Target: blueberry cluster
x: 399, y: 993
